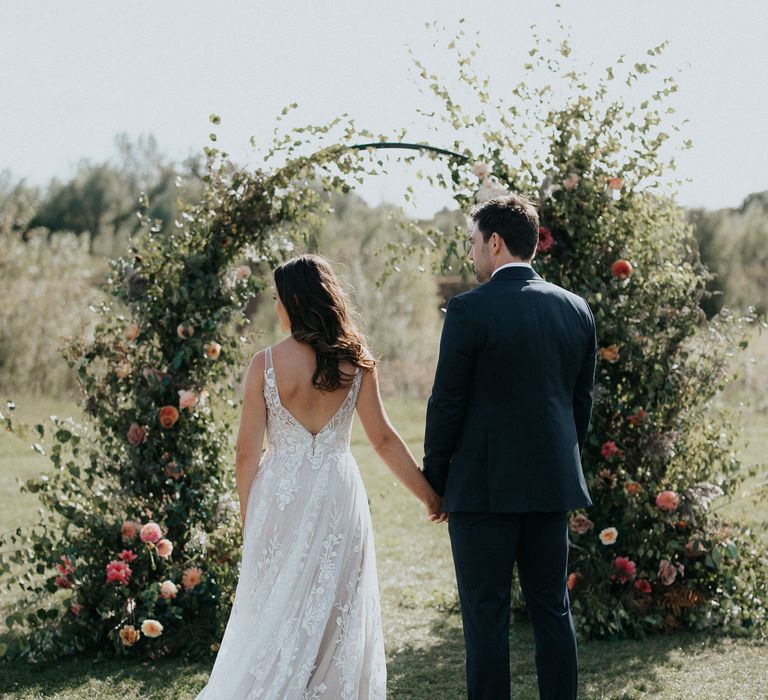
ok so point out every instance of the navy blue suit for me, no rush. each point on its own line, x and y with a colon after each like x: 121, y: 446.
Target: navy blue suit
x: 506, y: 423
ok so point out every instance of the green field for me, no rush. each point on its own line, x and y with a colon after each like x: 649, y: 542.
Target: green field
x: 422, y: 625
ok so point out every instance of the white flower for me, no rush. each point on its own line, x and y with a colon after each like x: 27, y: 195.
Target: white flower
x: 481, y: 170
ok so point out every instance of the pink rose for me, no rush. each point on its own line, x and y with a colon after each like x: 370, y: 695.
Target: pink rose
x: 625, y: 569
x: 137, y: 434
x: 164, y: 548
x: 610, y: 450
x: 642, y: 585
x: 187, y: 398
x: 128, y: 530
x: 168, y: 589
x: 581, y: 524
x: 667, y: 501
x: 668, y: 571
x: 127, y: 556
x: 151, y: 532
x: 546, y: 240
x: 118, y: 572
x: 66, y: 567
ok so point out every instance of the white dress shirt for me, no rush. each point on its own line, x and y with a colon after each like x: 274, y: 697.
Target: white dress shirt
x: 512, y: 264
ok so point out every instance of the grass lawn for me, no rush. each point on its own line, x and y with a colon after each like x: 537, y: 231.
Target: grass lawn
x: 422, y: 626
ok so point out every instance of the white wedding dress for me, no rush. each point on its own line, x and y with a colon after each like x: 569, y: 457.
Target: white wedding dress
x: 306, y: 621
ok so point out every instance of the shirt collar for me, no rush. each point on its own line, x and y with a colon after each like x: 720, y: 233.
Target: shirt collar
x: 512, y: 264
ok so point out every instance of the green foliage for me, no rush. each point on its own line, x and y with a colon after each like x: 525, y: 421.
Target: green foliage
x: 612, y: 233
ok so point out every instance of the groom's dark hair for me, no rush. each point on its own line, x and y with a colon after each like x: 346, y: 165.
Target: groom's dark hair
x: 514, y: 218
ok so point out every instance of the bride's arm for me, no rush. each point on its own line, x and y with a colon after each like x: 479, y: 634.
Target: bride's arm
x: 391, y: 448
x: 250, y: 435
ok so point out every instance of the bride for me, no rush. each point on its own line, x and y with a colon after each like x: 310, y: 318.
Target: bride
x: 306, y: 620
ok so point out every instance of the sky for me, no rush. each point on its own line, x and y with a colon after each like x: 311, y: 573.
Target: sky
x: 75, y: 73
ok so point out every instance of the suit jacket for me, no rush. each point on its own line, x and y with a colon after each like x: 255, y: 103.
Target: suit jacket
x: 512, y: 398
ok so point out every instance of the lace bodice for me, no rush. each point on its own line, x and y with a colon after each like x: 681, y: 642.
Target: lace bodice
x: 285, y: 432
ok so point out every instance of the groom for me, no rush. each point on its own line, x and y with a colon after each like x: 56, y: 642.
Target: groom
x: 506, y: 424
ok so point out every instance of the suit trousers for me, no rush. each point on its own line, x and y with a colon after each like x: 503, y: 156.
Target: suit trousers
x: 485, y: 548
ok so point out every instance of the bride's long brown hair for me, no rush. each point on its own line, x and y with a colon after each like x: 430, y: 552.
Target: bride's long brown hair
x: 320, y: 316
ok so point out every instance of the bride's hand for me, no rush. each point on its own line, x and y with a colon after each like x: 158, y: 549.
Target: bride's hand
x: 434, y: 504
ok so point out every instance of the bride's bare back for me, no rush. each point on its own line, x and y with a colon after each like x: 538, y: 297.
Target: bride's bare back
x: 294, y: 364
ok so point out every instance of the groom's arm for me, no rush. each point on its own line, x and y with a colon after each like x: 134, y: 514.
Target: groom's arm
x: 584, y: 391
x: 450, y: 393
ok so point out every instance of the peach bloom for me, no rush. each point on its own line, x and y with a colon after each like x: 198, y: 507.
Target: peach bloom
x: 131, y: 331
x: 151, y: 628
x: 164, y: 548
x: 668, y: 501
x: 242, y: 272
x: 633, y: 488
x: 168, y: 415
x: 122, y: 370
x: 75, y: 608
x: 481, y: 170
x: 615, y: 183
x: 609, y: 535
x: 151, y: 532
x: 168, y: 589
x: 668, y: 571
x: 581, y: 524
x: 191, y: 577
x: 128, y: 530
x: 185, y: 332
x: 137, y: 434
x: 571, y: 182
x: 127, y: 556
x: 621, y: 269
x: 118, y: 572
x: 129, y: 635
x: 187, y: 398
x: 610, y: 353
x: 173, y: 470
x: 212, y: 350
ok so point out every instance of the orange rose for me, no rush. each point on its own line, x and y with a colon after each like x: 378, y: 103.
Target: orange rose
x: 622, y: 269
x: 615, y: 183
x: 151, y: 628
x: 633, y: 488
x: 609, y: 354
x: 131, y: 331
x: 129, y: 635
x: 212, y: 350
x: 609, y: 535
x: 168, y: 416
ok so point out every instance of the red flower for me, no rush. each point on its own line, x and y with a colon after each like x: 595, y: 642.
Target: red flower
x: 642, y: 585
x: 574, y: 580
x: 66, y: 568
x: 546, y: 240
x: 63, y: 582
x: 609, y: 450
x: 127, y: 556
x: 118, y: 572
x: 636, y: 418
x: 624, y: 568
x: 621, y: 269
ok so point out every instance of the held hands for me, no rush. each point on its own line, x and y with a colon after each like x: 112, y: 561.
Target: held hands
x: 434, y: 504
